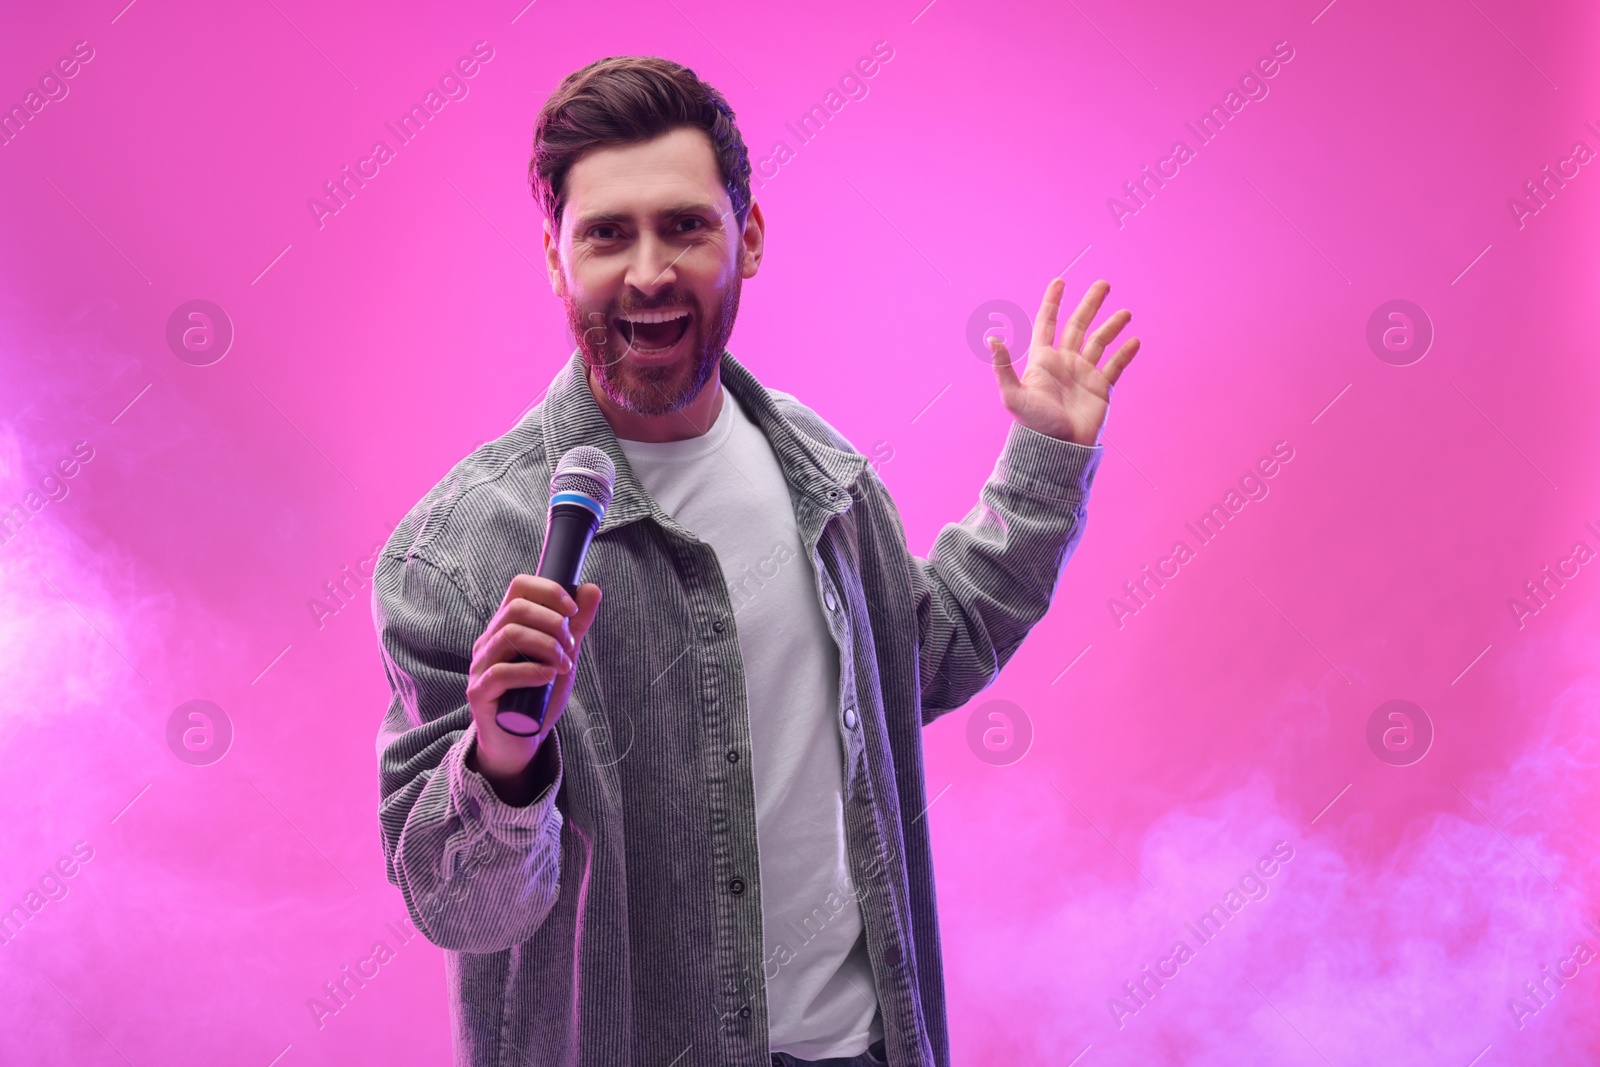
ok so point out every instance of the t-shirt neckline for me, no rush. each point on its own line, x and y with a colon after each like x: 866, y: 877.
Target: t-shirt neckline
x: 691, y: 447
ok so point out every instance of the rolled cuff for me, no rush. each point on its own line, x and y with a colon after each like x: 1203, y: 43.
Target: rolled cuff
x: 1047, y: 467
x: 476, y: 802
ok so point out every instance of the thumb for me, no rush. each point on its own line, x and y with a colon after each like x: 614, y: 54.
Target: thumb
x: 1004, y: 372
x: 588, y: 598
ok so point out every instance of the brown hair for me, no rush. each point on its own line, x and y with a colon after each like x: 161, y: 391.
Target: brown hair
x: 624, y: 100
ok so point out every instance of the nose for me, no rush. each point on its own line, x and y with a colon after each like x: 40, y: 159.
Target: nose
x: 652, y: 267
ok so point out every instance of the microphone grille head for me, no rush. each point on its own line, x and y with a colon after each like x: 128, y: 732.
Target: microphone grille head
x: 587, y: 470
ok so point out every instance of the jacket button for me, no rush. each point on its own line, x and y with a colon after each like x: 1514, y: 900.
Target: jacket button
x: 828, y: 599
x: 733, y: 757
x: 736, y: 886
x: 891, y: 955
x: 850, y: 718
x: 719, y: 626
x: 744, y: 1012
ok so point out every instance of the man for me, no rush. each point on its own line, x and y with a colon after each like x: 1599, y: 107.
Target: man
x: 712, y: 851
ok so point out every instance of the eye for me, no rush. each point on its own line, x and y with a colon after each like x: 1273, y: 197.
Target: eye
x: 596, y: 234
x: 693, y: 220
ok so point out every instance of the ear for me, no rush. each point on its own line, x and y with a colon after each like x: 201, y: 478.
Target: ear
x: 754, y: 239
x: 552, y: 262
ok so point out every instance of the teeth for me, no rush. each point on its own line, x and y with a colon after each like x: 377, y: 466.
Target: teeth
x: 670, y: 315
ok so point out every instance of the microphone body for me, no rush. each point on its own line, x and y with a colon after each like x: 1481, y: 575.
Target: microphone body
x: 580, y: 492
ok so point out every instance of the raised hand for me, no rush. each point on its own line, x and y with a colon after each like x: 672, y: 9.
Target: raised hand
x: 1063, y: 393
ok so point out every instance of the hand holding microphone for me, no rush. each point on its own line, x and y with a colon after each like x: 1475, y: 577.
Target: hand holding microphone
x: 522, y: 664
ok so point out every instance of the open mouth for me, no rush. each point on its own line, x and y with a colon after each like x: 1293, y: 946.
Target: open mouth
x: 653, y: 333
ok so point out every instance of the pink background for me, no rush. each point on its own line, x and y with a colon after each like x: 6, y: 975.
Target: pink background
x: 1229, y: 714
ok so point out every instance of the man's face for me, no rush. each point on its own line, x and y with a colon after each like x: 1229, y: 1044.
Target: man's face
x: 649, y: 262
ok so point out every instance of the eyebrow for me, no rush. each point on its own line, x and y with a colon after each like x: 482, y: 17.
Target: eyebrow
x: 685, y: 208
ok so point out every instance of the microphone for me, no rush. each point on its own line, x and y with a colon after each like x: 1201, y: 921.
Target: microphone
x: 580, y: 492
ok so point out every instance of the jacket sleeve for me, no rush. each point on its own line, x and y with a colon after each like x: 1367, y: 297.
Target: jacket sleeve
x: 478, y: 875
x: 990, y: 577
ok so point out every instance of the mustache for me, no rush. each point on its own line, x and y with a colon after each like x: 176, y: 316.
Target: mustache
x: 659, y: 305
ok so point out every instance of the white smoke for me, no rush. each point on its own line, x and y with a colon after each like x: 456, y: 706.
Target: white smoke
x: 1400, y: 948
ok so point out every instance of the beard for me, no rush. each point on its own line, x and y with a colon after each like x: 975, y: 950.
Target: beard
x: 657, y: 390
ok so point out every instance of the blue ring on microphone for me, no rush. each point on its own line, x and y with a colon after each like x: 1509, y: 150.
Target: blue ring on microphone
x: 582, y: 500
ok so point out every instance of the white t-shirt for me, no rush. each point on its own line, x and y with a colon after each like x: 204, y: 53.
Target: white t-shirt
x: 726, y: 488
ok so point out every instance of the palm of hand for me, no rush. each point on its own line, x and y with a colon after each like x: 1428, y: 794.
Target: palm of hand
x: 1063, y: 392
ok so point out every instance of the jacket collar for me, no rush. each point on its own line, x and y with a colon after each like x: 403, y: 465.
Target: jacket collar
x: 817, y: 472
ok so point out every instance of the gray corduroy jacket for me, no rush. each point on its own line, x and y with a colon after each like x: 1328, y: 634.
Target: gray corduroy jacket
x: 616, y: 919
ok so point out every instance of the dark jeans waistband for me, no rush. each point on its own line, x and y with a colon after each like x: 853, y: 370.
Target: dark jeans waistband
x: 875, y: 1056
